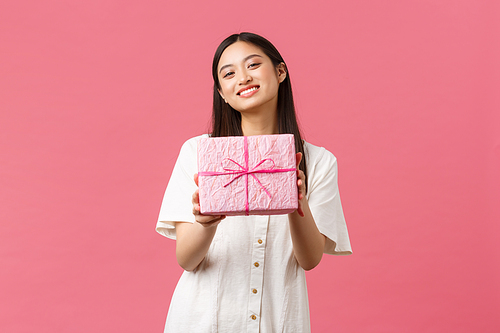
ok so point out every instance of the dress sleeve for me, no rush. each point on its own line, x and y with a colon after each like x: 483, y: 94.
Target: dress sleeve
x: 177, y: 202
x: 324, y: 200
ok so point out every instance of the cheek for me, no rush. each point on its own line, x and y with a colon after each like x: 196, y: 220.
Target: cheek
x: 273, y: 79
x: 274, y: 86
x: 225, y: 90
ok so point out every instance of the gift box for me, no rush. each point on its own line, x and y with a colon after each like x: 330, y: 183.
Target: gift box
x: 247, y: 175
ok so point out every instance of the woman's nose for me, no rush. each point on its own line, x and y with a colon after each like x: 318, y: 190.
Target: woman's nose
x: 245, y: 78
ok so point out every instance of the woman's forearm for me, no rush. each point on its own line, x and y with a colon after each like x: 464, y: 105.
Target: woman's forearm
x: 194, y: 239
x: 193, y: 242
x: 308, y: 242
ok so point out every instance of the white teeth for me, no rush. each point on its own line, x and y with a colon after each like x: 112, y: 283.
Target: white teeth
x: 248, y: 91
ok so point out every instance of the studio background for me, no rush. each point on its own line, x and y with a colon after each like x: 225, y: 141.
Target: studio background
x: 97, y: 97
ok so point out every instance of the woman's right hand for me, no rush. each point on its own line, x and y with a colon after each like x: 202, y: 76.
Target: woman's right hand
x: 204, y: 220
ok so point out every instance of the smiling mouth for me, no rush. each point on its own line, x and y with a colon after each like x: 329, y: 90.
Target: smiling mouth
x: 248, y: 91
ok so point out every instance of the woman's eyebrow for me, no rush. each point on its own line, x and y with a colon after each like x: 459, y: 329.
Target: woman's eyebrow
x: 245, y: 59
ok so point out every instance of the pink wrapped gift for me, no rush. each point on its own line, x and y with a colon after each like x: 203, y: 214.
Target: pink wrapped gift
x: 247, y: 175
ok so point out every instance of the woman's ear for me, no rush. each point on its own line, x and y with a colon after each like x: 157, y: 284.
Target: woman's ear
x: 281, y: 69
x: 220, y: 93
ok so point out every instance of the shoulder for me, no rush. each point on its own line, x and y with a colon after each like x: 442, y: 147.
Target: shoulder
x: 318, y: 157
x: 193, y: 142
x: 190, y: 146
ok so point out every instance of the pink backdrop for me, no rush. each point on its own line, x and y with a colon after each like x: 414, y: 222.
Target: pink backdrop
x: 96, y: 98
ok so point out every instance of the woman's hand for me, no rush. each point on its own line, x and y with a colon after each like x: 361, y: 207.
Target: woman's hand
x: 204, y: 220
x: 301, y: 185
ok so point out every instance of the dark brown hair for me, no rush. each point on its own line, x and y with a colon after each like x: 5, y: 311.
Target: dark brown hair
x: 226, y: 121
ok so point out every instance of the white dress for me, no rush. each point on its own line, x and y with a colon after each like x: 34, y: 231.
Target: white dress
x: 250, y: 280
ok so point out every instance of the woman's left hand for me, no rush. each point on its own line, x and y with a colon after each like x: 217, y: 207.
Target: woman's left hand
x: 301, y: 184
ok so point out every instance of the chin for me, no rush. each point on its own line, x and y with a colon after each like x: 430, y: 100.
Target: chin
x: 246, y: 108
x: 252, y: 106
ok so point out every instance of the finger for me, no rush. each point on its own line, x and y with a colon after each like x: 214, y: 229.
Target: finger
x: 196, y: 179
x: 298, y: 158
x: 196, y: 209
x: 300, y: 211
x: 209, y: 219
x: 209, y: 224
x: 196, y: 197
x: 301, y: 182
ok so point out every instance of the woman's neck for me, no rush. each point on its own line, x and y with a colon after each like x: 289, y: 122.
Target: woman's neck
x: 259, y: 124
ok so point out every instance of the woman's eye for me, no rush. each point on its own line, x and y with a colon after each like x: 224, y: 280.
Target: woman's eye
x: 228, y: 74
x: 255, y: 64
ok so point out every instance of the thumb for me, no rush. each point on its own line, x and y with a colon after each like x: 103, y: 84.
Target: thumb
x: 298, y: 158
x: 196, y: 179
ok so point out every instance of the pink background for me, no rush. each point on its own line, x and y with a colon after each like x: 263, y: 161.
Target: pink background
x: 96, y: 98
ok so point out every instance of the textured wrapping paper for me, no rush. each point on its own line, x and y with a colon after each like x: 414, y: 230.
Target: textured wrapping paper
x: 254, y: 175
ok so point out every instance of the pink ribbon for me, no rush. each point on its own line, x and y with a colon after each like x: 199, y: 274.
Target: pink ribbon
x: 245, y: 171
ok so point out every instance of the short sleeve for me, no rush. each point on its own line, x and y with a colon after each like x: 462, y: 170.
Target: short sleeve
x: 177, y: 202
x: 324, y: 200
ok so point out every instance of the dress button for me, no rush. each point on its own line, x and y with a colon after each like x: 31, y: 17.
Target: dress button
x: 253, y: 317
x: 260, y: 241
x: 256, y: 264
x: 254, y: 291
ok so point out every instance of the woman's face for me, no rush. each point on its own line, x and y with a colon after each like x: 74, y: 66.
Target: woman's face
x: 248, y: 79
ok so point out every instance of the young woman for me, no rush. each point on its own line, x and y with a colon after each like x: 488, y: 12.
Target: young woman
x: 246, y: 273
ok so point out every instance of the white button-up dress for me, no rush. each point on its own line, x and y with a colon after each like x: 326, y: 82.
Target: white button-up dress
x: 250, y: 280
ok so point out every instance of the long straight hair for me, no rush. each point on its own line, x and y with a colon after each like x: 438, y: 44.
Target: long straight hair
x: 226, y: 121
